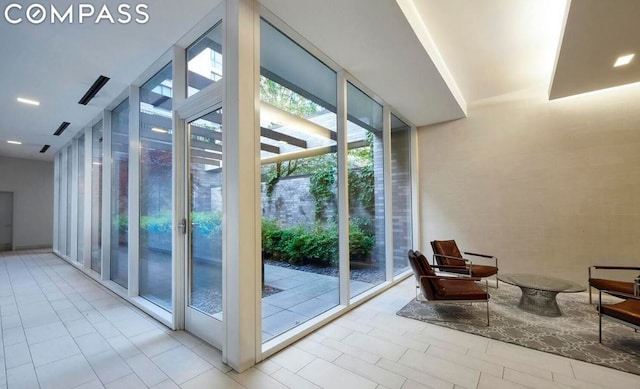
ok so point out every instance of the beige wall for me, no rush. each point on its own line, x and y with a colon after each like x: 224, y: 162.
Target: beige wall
x: 32, y: 185
x: 548, y: 186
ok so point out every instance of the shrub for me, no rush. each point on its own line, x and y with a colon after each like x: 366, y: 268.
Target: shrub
x: 207, y: 223
x: 360, y: 242
x: 315, y: 244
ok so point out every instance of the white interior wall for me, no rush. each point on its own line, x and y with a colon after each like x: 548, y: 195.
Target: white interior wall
x: 32, y: 184
x: 550, y: 187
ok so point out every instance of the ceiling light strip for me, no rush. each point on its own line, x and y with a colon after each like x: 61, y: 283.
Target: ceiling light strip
x: 14, y: 142
x: 28, y: 101
x: 93, y: 90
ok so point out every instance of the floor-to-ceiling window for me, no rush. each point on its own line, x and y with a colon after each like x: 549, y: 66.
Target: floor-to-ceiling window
x: 96, y: 197
x: 299, y: 143
x: 80, y: 219
x: 365, y: 164
x: 299, y: 184
x: 206, y: 206
x: 156, y: 131
x: 120, y: 194
x: 401, y: 182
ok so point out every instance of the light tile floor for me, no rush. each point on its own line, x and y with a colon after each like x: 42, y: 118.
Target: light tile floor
x: 62, y: 330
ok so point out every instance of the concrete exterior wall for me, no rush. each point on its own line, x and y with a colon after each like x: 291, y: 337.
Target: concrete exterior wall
x: 550, y: 187
x: 32, y: 185
x: 292, y: 203
x: 378, y: 197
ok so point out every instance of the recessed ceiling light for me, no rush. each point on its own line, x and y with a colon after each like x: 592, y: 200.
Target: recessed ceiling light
x: 14, y: 142
x: 160, y: 130
x: 623, y: 60
x: 27, y: 101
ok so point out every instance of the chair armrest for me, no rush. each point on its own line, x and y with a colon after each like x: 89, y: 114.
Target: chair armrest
x: 451, y: 257
x: 445, y: 267
x: 607, y: 267
x: 483, y: 256
x: 615, y: 267
x: 452, y: 278
x: 621, y: 295
x: 478, y: 255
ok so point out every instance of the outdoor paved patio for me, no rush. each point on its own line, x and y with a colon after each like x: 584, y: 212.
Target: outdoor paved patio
x: 304, y: 295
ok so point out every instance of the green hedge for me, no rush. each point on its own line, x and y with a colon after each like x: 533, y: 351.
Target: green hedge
x: 313, y: 244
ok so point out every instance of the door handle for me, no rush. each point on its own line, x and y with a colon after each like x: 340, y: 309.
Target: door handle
x: 183, y: 226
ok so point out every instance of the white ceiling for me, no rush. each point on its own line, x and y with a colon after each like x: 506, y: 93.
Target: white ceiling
x: 56, y: 64
x: 596, y: 34
x: 426, y: 58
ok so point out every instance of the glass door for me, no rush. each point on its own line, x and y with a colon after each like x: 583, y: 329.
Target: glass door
x: 203, y: 227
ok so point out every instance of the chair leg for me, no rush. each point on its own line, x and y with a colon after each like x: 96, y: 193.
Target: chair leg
x: 600, y: 330
x: 487, y: 313
x: 600, y: 318
x: 590, y: 302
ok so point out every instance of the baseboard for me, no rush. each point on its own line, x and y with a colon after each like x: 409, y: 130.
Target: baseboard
x: 34, y: 247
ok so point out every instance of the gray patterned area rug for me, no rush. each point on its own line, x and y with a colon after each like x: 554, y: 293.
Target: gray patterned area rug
x: 573, y: 335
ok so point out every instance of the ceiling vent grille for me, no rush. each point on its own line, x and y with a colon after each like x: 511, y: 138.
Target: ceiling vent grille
x: 93, y: 90
x: 45, y: 148
x: 61, y: 129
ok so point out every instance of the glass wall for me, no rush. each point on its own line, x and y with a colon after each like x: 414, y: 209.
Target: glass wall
x: 299, y: 184
x: 96, y: 197
x: 365, y: 165
x: 401, y: 183
x: 156, y: 180
x: 206, y: 206
x: 80, y: 220
x: 120, y: 194
x: 299, y: 188
x: 204, y: 60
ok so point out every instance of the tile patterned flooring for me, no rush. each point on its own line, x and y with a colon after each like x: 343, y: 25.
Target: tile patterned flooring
x: 62, y: 330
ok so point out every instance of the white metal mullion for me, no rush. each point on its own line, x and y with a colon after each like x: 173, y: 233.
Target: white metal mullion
x: 107, y: 163
x: 64, y: 160
x: 56, y: 202
x: 88, y: 149
x: 241, y: 154
x: 179, y: 173
x: 388, y: 190
x: 343, y: 192
x: 73, y: 253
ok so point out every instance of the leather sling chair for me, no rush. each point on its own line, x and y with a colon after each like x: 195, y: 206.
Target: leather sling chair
x: 446, y: 253
x: 434, y: 289
x: 613, y: 285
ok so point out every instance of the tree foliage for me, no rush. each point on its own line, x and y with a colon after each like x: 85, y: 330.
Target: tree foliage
x: 287, y: 100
